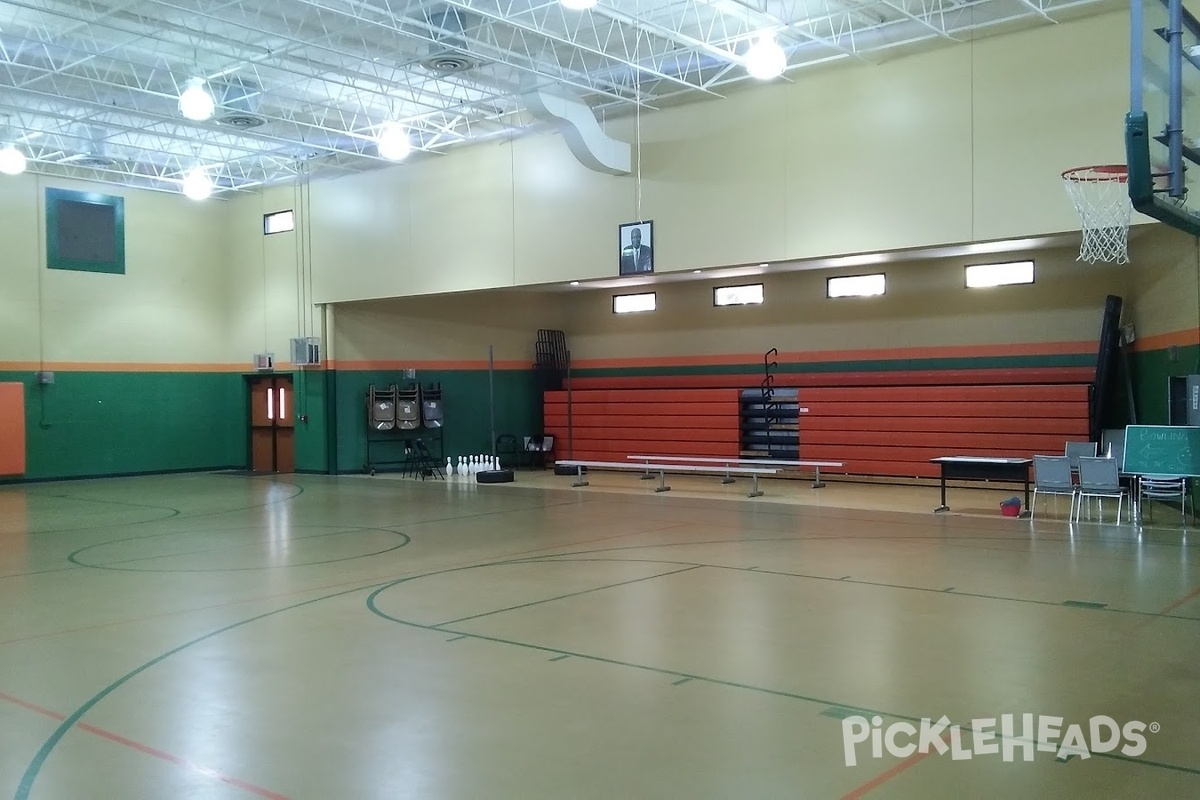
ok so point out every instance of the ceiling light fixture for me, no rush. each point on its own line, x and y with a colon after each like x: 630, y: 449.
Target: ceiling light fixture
x: 12, y: 160
x: 196, y: 102
x: 197, y: 185
x: 574, y: 283
x: 765, y: 59
x: 578, y: 5
x: 392, y: 142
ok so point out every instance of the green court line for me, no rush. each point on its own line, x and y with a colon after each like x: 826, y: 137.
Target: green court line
x: 373, y: 607
x: 1084, y: 604
x: 35, y: 766
x: 560, y: 658
x: 842, y: 712
x: 456, y: 638
x: 565, y: 596
x: 681, y: 682
x: 72, y: 557
x: 977, y: 595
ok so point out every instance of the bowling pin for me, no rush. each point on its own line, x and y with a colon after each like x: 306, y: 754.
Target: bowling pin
x: 449, y: 467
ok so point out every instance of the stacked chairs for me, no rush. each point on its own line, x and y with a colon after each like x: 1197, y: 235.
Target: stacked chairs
x: 408, y: 408
x: 1164, y: 487
x: 381, y: 407
x: 431, y: 405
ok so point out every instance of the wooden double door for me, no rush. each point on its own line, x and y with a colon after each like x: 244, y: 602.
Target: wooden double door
x: 272, y: 424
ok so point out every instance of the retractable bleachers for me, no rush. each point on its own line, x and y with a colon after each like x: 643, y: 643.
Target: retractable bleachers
x: 609, y: 424
x: 878, y: 423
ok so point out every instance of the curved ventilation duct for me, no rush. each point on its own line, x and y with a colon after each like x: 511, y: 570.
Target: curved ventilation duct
x: 575, y: 121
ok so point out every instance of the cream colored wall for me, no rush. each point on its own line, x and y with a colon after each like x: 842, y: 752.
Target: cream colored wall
x: 267, y: 285
x: 925, y: 306
x: 412, y: 331
x: 1166, y: 284
x: 962, y: 143
x: 168, y: 307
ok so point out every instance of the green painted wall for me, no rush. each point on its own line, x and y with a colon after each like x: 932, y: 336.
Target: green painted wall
x: 1151, y: 370
x: 103, y: 423
x: 465, y: 396
x: 312, y: 420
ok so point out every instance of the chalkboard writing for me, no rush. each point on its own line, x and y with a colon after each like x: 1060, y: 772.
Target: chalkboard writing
x: 1162, y: 450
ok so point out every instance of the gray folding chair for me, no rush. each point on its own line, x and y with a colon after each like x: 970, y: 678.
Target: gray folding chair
x: 1112, y: 445
x: 1099, y: 478
x: 1052, y: 476
x: 408, y: 408
x: 1164, y: 487
x: 1078, y: 450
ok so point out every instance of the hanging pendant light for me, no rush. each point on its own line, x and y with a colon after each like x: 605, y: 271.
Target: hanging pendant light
x: 196, y: 102
x: 765, y: 59
x: 392, y: 142
x: 197, y: 185
x: 12, y: 160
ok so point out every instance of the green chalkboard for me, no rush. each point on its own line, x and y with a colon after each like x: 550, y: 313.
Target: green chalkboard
x: 1162, y: 450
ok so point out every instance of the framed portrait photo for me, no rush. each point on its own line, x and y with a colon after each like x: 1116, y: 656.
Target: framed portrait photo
x: 636, y: 248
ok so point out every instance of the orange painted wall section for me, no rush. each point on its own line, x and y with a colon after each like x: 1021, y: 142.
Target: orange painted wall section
x: 12, y: 429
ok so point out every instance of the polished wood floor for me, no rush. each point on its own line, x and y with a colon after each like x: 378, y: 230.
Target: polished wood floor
x: 220, y: 636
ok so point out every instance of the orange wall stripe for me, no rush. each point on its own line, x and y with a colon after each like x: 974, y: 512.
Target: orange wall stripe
x: 395, y: 365
x: 1161, y: 341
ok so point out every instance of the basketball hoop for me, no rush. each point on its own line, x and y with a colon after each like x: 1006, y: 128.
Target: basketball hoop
x: 1101, y: 196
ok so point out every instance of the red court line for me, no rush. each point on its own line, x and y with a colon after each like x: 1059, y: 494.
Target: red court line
x: 146, y: 749
x: 884, y: 777
x: 1162, y: 612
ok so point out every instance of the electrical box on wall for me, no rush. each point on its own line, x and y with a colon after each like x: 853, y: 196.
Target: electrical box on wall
x: 306, y: 351
x: 264, y: 362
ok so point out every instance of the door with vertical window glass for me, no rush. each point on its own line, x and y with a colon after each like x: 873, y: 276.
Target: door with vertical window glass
x: 272, y: 425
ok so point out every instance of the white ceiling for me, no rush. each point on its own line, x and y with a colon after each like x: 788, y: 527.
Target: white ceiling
x: 89, y: 88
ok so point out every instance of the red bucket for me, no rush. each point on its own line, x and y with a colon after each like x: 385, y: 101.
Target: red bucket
x: 1010, y: 510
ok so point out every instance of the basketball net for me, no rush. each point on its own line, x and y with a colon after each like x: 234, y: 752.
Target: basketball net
x: 1101, y: 196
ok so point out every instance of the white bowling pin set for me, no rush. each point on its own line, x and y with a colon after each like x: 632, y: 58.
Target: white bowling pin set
x: 466, y: 466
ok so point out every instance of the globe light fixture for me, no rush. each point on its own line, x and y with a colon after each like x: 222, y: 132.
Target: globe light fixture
x: 197, y: 185
x: 765, y: 59
x: 12, y: 161
x: 392, y: 142
x: 196, y: 102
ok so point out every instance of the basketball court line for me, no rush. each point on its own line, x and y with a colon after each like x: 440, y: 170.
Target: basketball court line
x: 366, y: 584
x: 35, y: 765
x: 824, y: 702
x: 39, y: 759
x: 917, y: 757
x: 162, y: 755
x: 851, y: 580
x: 113, y: 565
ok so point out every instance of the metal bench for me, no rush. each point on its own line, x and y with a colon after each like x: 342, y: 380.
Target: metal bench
x: 772, y: 462
x: 662, y: 469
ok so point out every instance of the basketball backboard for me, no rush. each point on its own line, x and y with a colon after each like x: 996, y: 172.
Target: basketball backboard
x: 1162, y: 129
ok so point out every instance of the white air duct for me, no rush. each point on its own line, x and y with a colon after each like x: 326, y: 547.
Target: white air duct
x: 575, y: 121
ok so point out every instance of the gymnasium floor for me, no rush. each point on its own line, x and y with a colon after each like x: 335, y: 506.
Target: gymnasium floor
x: 217, y: 636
